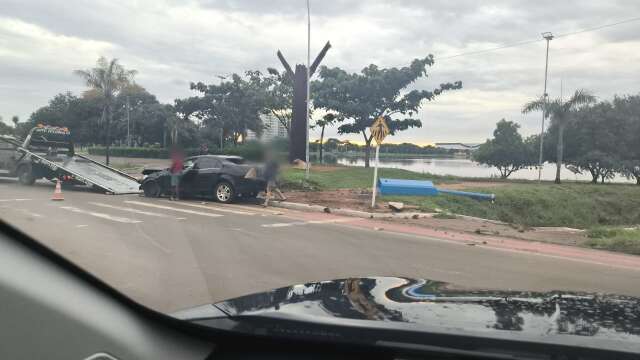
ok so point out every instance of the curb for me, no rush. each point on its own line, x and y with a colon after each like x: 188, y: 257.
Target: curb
x: 398, y: 215
x: 347, y: 212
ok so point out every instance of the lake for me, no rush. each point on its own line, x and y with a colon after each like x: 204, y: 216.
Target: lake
x: 467, y: 168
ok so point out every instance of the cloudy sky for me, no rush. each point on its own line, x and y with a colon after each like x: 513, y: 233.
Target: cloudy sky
x: 172, y: 43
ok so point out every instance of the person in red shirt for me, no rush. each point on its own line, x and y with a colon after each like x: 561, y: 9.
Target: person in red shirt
x: 177, y: 163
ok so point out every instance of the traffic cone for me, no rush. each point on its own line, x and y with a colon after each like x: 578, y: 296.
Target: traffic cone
x: 57, y: 194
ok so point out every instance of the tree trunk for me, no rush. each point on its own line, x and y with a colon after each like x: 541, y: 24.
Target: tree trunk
x: 594, y: 176
x: 321, y: 145
x: 367, y: 154
x: 602, y: 178
x: 638, y: 180
x: 559, y: 152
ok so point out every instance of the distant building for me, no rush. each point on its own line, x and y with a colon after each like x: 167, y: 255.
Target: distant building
x: 458, y: 146
x: 272, y: 129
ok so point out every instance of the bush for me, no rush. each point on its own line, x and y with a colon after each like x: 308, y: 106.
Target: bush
x: 131, y: 152
x: 615, y: 239
x: 252, y: 151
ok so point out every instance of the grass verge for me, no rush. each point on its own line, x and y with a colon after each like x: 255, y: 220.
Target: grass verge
x: 577, y: 205
x: 345, y: 177
x: 614, y: 239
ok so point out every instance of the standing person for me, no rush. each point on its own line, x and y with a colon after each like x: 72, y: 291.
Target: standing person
x: 271, y: 176
x: 177, y: 163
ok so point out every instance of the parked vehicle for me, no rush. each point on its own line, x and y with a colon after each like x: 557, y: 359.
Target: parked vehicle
x: 48, y: 152
x: 222, y: 177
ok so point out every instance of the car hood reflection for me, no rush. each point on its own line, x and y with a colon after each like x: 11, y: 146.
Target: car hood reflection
x: 441, y: 305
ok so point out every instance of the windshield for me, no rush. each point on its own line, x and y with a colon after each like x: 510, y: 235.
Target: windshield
x: 489, y: 146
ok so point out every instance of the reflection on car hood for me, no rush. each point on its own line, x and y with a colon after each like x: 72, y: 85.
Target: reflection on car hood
x: 440, y: 305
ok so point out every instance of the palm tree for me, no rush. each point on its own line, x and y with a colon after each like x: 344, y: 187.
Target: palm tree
x: 107, y: 78
x: 560, y: 112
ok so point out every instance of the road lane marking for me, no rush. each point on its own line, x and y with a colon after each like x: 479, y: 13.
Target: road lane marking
x: 214, y: 208
x: 128, y: 209
x: 294, y: 223
x: 172, y: 208
x: 251, y: 208
x: 101, y: 215
x: 30, y: 213
x: 7, y: 200
x: 81, y: 226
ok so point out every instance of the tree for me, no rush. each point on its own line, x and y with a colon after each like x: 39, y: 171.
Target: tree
x: 278, y: 88
x: 628, y: 108
x: 107, y: 78
x: 595, y: 142
x: 326, y: 120
x: 560, y: 112
x: 234, y: 106
x: 4, y: 128
x: 15, y: 119
x: 506, y: 151
x: 361, y: 98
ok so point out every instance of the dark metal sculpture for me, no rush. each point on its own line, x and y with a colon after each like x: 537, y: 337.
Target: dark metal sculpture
x: 298, y: 129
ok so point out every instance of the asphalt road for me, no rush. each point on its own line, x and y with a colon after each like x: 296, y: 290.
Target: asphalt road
x: 173, y: 255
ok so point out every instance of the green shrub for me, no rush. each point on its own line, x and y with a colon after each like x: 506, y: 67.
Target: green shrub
x: 252, y: 151
x: 614, y: 239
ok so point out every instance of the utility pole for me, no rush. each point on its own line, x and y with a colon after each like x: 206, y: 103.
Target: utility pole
x: 306, y: 167
x: 128, y: 121
x: 547, y: 36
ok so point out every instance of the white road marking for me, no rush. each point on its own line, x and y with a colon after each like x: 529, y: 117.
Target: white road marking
x: 328, y: 221
x: 101, y: 215
x: 128, y: 209
x: 251, y: 208
x: 7, y: 200
x: 172, y: 208
x: 81, y: 226
x: 214, y: 207
x: 30, y: 213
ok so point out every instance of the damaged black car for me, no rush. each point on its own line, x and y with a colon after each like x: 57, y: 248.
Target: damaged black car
x: 223, y: 178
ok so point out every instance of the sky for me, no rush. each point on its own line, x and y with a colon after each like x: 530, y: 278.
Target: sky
x: 172, y: 43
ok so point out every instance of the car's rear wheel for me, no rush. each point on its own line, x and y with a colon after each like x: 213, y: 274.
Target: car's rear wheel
x: 25, y: 175
x: 224, y: 192
x: 151, y: 189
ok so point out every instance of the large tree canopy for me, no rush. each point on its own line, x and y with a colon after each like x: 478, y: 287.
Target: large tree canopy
x: 83, y: 116
x: 506, y: 151
x: 233, y: 106
x: 359, y: 98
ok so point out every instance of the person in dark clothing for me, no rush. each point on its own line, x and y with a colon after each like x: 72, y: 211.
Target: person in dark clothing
x: 271, y: 170
x: 177, y: 163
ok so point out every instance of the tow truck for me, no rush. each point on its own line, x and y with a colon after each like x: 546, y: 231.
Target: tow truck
x: 48, y: 152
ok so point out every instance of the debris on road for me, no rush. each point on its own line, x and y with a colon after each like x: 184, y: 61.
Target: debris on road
x: 395, y: 205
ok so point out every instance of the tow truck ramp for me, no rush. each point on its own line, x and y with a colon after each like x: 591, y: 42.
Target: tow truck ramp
x: 87, y: 171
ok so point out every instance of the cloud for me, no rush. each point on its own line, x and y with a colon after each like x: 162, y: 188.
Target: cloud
x: 173, y: 42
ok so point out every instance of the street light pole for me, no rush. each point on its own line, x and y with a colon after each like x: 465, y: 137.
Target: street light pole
x: 306, y: 167
x: 128, y: 121
x: 547, y: 36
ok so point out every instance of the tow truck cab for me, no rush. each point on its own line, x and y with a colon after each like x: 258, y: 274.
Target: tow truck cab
x: 50, y: 142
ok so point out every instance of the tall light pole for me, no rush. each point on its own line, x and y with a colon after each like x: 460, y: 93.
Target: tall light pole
x: 128, y: 121
x: 306, y: 166
x: 547, y: 36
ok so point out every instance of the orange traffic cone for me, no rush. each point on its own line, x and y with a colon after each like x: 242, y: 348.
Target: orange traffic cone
x: 57, y: 194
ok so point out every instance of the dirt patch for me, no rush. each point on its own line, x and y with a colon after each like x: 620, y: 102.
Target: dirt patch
x: 481, y: 227
x: 361, y: 200
x: 343, y: 199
